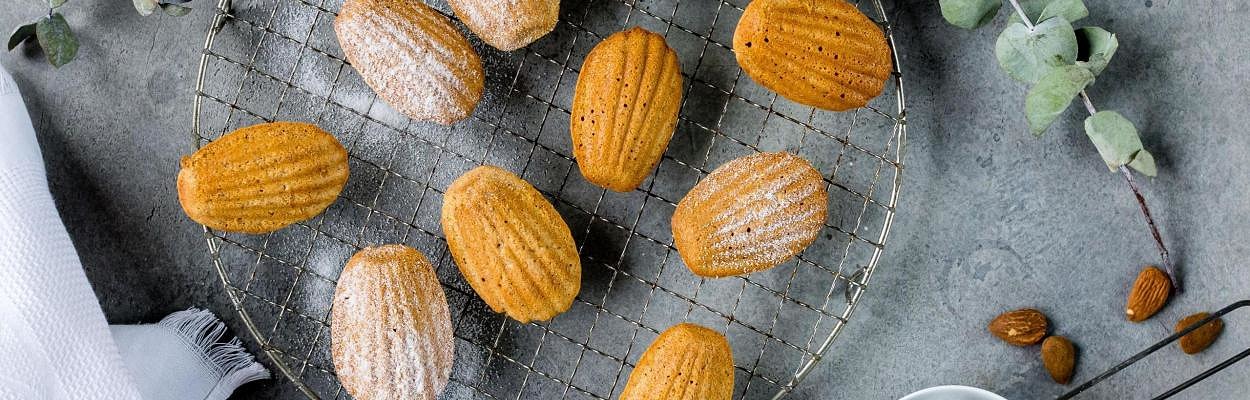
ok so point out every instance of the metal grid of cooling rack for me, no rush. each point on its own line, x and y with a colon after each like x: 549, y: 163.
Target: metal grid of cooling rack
x: 266, y: 60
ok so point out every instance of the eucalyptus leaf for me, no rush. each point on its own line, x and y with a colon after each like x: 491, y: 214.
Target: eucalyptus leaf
x: 175, y: 10
x: 1144, y: 162
x: 21, y: 34
x: 1052, y: 94
x: 1095, y: 47
x: 56, y: 39
x: 55, y: 3
x: 1041, y: 10
x: 1028, y: 54
x: 1117, y: 141
x: 969, y: 14
x: 174, y: 1
x: 146, y: 7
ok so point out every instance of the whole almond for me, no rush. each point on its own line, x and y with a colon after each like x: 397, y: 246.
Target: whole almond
x: 1020, y: 327
x: 1059, y: 358
x: 1150, y: 292
x: 1200, y: 338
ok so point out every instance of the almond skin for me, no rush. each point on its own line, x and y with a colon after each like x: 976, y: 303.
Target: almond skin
x: 1149, y: 294
x: 1022, y: 327
x: 1059, y: 358
x: 1200, y: 338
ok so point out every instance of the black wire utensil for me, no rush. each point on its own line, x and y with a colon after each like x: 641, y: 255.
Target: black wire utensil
x: 1163, y: 343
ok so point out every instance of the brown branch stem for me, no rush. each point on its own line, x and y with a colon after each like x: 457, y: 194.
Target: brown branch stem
x: 1128, y: 176
x: 1145, y: 210
x: 1154, y: 229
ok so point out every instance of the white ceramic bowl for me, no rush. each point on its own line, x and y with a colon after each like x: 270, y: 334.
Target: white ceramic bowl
x: 953, y: 392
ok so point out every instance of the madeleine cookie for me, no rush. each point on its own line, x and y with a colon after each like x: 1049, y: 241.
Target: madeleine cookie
x: 511, y: 245
x: 750, y: 214
x: 413, y: 57
x: 263, y: 177
x: 824, y: 54
x: 390, y: 330
x: 625, y: 108
x: 686, y: 362
x: 508, y: 25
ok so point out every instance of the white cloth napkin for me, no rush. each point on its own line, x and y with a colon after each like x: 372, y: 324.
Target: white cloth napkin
x: 54, y: 340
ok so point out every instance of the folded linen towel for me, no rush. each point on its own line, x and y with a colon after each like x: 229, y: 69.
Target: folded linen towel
x: 54, y: 340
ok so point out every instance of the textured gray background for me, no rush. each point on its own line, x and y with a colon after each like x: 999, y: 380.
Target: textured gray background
x: 991, y: 218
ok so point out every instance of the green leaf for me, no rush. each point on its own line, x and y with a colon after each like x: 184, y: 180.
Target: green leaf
x: 56, y: 39
x: 20, y: 35
x: 146, y: 7
x: 175, y: 10
x: 55, y: 3
x: 1052, y: 94
x: 1027, y: 54
x: 969, y: 14
x: 1041, y: 10
x: 1117, y: 142
x: 1144, y: 162
x: 1095, y: 48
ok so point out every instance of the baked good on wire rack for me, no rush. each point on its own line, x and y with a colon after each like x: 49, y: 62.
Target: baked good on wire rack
x: 390, y: 328
x: 625, y: 108
x: 261, y: 178
x: 824, y: 54
x: 686, y: 362
x: 511, y: 245
x: 412, y: 57
x: 508, y: 24
x: 750, y: 214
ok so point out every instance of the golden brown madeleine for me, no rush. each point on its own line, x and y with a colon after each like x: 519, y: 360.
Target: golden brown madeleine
x: 390, y: 330
x: 263, y: 177
x: 511, y: 244
x: 686, y: 362
x: 750, y: 214
x: 413, y: 57
x: 824, y: 54
x: 508, y: 25
x: 625, y: 108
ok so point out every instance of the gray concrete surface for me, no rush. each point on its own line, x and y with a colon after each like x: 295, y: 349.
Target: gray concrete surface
x: 991, y: 218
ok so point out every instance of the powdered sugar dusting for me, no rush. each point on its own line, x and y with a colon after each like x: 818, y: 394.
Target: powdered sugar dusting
x: 391, y: 330
x: 508, y: 24
x: 751, y: 213
x: 412, y: 57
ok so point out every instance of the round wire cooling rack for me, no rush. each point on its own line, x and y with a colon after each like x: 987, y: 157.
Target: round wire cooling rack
x: 266, y: 60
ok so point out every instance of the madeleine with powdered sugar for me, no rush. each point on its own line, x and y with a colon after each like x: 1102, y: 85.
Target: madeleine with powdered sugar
x: 390, y: 330
x: 412, y: 57
x: 508, y: 24
x: 750, y: 214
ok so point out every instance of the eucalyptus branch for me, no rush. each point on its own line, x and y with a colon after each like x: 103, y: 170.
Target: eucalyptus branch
x: 1128, y: 177
x: 1040, y: 47
x: 56, y: 38
x: 1141, y: 203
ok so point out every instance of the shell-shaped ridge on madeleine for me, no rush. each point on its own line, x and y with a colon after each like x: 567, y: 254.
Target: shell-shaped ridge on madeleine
x: 686, y: 362
x: 263, y: 177
x: 510, y: 244
x: 413, y: 58
x: 390, y: 331
x: 508, y: 25
x: 825, y: 54
x: 625, y: 108
x: 750, y: 214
